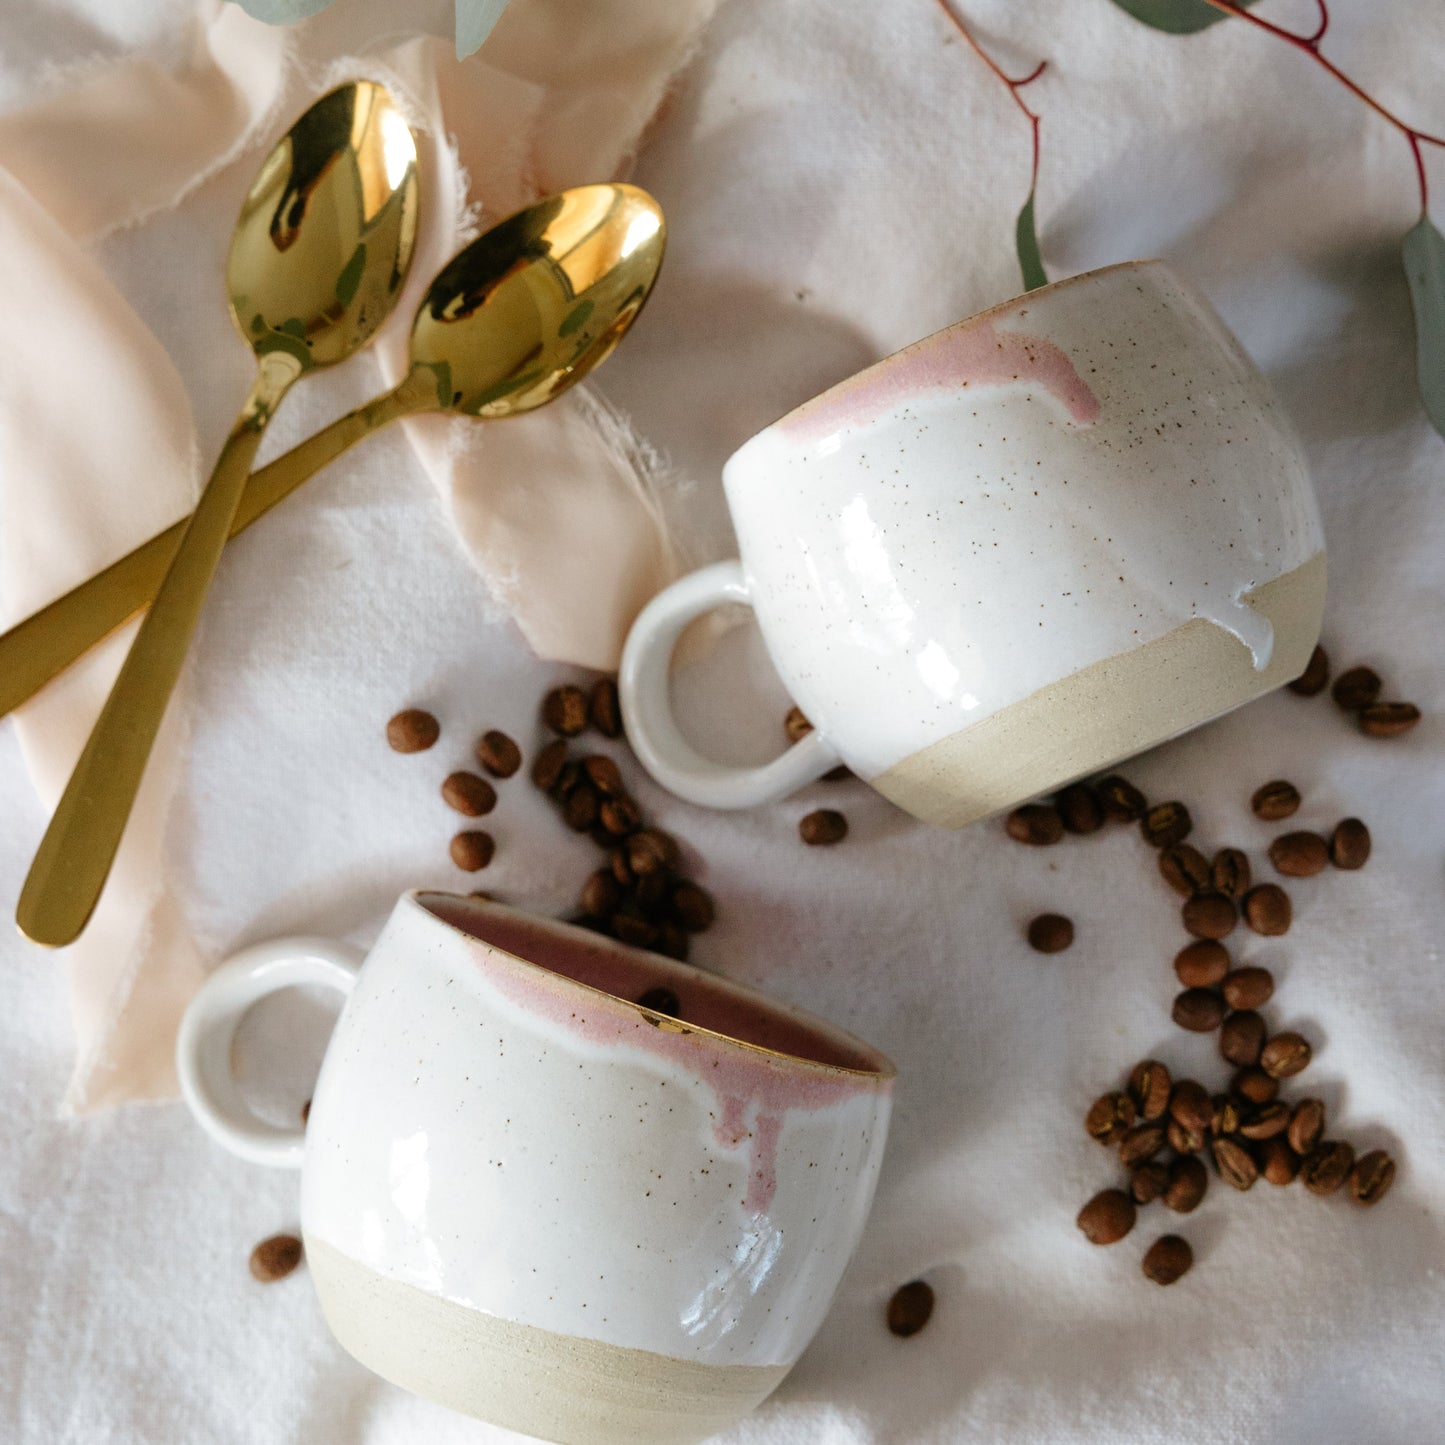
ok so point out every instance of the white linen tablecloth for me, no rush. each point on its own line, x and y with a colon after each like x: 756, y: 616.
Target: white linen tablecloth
x: 839, y: 180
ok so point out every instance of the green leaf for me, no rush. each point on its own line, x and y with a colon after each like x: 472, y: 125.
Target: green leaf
x: 1027, y: 244
x: 282, y: 12
x: 475, y: 19
x: 1424, y: 253
x: 1176, y: 17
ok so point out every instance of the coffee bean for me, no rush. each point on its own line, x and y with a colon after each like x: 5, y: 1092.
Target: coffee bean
x: 1107, y: 1217
x: 472, y: 850
x: 1198, y: 1009
x: 1316, y: 674
x: 1166, y: 824
x: 1299, y: 855
x: 661, y: 1000
x: 1184, y: 869
x: 1109, y: 1116
x: 823, y: 828
x: 1168, y: 1259
x: 564, y: 710
x: 1050, y: 933
x: 1356, y: 688
x: 1209, y: 915
x: 1248, y: 988
x: 651, y: 895
x: 619, y: 816
x: 413, y: 731
x: 1350, y: 844
x: 1327, y: 1167
x: 604, y: 775
x: 1141, y: 1142
x: 1226, y: 1118
x: 672, y: 941
x: 276, y: 1257
x: 1278, y: 1162
x: 650, y: 851
x: 1150, y: 1088
x: 796, y: 725
x: 580, y: 810
x: 1275, y: 800
x: 1388, y: 719
x: 1230, y: 873
x: 498, y: 754
x: 1148, y: 1181
x: 1285, y: 1055
x: 547, y: 769
x: 604, y: 709
x: 692, y: 907
x: 1267, y: 1122
x: 1190, y: 1105
x: 1202, y: 964
x: 469, y: 794
x: 1267, y: 909
x: 1080, y: 809
x: 1036, y: 824
x: 567, y: 780
x: 1187, y: 1184
x: 910, y: 1308
x: 1253, y: 1085
x: 601, y: 895
x: 1241, y: 1037
x: 1372, y: 1176
x: 1121, y: 801
x: 636, y: 932
x: 1235, y: 1163
x: 1184, y: 1138
x: 1307, y: 1126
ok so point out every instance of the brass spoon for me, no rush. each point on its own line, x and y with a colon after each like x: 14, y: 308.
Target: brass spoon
x: 606, y: 241
x: 317, y: 261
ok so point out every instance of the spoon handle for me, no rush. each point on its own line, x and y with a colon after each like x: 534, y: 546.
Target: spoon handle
x: 75, y: 856
x: 48, y: 641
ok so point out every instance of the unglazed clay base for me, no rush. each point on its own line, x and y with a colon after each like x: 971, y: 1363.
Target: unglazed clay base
x: 1109, y: 711
x: 555, y: 1387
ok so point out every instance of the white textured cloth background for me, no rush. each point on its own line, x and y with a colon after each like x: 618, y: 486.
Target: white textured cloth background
x: 838, y: 180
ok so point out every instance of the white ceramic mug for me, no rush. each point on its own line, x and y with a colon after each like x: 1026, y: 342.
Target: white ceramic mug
x: 1008, y: 556
x: 530, y: 1197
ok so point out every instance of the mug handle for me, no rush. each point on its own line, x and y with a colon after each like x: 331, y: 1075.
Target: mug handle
x: 647, y: 704
x: 208, y: 1029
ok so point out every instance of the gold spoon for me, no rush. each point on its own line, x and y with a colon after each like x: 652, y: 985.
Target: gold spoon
x: 605, y: 241
x: 317, y: 260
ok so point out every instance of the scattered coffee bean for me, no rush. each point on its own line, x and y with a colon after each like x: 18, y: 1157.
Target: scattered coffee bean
x: 1226, y: 1117
x: 661, y: 1000
x: 1356, y: 688
x: 1209, y: 915
x: 1327, y: 1167
x: 1168, y: 1259
x: 1372, y: 1176
x: 1109, y: 1116
x: 1248, y: 988
x: 1230, y: 873
x: 636, y: 932
x: 1307, y: 1126
x: 1166, y: 824
x: 691, y: 906
x: 1050, y: 933
x: 472, y: 850
x: 1121, y: 801
x: 1235, y: 1163
x: 469, y: 794
x: 1184, y: 869
x: 1199, y: 1010
x: 498, y: 754
x: 672, y: 941
x: 1107, y: 1217
x: 604, y: 775
x: 1190, y: 1105
x: 568, y: 779
x: 604, y: 709
x: 1275, y: 800
x: 1202, y: 964
x: 1253, y: 1085
x: 652, y: 893
x: 601, y: 895
x: 650, y: 851
x: 1388, y: 719
x: 1241, y: 1038
x: 1269, y: 1121
x: 547, y: 770
x: 1285, y: 1055
x: 823, y: 828
x: 1278, y: 1162
x: 1080, y: 809
x: 796, y: 725
x: 1148, y: 1181
x: 1187, y: 1184
x: 1150, y: 1087
x: 1141, y: 1142
x: 1036, y: 824
x: 564, y: 710
x: 278, y: 1256
x: 413, y: 731
x: 581, y: 808
x: 619, y: 816
x: 1267, y: 909
x: 1312, y: 680
x: 910, y: 1308
x: 1299, y: 855
x: 1184, y: 1138
x: 1350, y: 844
x: 621, y: 868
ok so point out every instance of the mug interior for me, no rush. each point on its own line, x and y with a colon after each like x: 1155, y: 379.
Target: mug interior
x: 707, y: 1003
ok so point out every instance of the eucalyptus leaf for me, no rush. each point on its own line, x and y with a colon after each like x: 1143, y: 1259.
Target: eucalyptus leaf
x: 1176, y: 17
x: 475, y: 19
x: 281, y: 12
x: 1027, y: 244
x: 1424, y: 253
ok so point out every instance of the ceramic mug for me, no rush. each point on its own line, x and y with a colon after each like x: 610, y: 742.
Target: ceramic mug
x: 532, y: 1198
x: 1016, y: 552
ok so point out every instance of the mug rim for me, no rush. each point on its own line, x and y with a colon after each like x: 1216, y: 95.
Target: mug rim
x: 883, y: 1074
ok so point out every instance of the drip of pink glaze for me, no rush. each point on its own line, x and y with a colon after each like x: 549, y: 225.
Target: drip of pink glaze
x: 973, y: 353
x: 732, y: 1128
x: 763, y: 1163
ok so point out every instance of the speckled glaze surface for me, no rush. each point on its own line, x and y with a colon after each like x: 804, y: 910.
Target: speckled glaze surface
x: 517, y: 1138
